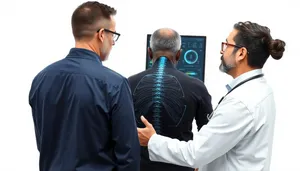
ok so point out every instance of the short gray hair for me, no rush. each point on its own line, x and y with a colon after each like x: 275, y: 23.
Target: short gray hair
x: 165, y: 42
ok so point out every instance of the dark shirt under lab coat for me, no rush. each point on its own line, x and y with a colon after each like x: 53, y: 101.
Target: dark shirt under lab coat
x: 83, y: 116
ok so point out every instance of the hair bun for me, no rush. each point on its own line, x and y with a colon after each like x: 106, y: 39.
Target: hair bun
x: 276, y: 48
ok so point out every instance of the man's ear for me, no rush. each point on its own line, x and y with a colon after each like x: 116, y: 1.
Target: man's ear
x: 101, y: 35
x: 242, y: 53
x: 178, y: 55
x: 150, y: 53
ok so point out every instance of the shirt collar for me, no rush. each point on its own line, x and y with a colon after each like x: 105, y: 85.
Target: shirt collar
x: 163, y: 60
x: 84, y: 53
x: 243, y: 77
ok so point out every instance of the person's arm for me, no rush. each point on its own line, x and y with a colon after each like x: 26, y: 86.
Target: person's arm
x: 204, y: 108
x: 124, y: 130
x: 36, y: 128
x: 229, y: 124
x: 32, y: 104
x: 37, y: 135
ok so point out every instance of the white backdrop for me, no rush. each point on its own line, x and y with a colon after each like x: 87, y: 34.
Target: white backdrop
x: 36, y: 33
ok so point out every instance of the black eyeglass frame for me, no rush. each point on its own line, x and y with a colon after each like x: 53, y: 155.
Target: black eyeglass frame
x: 115, y: 33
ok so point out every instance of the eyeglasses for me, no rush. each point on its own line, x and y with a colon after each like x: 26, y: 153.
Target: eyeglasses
x: 115, y: 34
x: 224, y: 46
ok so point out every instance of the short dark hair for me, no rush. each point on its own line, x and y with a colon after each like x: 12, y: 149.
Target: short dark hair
x: 258, y: 42
x: 87, y: 17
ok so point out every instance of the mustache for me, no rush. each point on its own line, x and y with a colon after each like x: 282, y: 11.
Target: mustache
x: 222, y: 59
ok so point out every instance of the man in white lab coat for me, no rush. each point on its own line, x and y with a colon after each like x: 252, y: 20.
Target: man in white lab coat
x: 239, y: 135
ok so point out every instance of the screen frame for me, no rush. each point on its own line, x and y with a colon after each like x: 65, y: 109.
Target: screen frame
x: 187, y: 36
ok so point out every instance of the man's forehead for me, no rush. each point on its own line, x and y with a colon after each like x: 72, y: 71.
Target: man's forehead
x: 113, y: 21
x: 231, y: 35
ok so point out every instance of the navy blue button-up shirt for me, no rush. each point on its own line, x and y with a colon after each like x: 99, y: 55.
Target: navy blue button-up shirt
x: 83, y: 116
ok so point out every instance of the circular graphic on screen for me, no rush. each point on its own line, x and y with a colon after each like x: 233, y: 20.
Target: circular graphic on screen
x: 191, y: 56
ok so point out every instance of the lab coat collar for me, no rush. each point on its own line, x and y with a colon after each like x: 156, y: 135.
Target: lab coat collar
x: 243, y: 77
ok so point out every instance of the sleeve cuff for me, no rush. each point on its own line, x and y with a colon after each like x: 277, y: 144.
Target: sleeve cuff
x: 152, y: 146
x: 152, y: 139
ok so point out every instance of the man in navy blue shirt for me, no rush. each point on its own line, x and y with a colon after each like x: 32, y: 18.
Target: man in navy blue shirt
x: 83, y: 112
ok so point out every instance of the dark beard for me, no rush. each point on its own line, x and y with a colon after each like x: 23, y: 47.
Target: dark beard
x: 223, y: 66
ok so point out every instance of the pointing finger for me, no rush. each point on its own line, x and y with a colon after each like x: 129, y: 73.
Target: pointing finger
x: 144, y: 120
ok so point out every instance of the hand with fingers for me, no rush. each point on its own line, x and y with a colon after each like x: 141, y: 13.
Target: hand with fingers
x: 145, y: 133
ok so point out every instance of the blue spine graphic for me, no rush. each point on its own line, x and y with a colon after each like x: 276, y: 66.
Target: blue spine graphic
x: 158, y: 91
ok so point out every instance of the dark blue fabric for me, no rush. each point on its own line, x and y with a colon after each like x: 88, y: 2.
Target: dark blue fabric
x: 83, y: 116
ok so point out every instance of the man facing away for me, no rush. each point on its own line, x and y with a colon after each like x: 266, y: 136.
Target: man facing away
x: 239, y: 135
x: 167, y: 97
x: 83, y: 112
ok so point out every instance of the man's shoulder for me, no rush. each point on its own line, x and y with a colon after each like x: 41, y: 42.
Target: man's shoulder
x: 180, y: 76
x: 99, y: 73
x: 260, y: 92
x: 138, y: 75
x: 197, y: 82
x: 112, y: 76
x: 192, y: 81
x: 54, y: 66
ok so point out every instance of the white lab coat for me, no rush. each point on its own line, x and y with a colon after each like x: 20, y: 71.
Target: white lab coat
x: 238, y: 137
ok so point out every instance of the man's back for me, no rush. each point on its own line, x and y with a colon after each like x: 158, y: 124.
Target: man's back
x: 80, y: 109
x: 170, y: 100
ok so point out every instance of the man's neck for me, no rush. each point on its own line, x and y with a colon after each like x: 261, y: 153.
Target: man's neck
x: 168, y: 56
x: 88, y: 46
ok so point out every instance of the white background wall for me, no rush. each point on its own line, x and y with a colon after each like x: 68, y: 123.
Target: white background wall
x: 35, y: 33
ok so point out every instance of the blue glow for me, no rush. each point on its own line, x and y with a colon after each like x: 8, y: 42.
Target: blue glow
x: 191, y: 53
x: 158, y: 91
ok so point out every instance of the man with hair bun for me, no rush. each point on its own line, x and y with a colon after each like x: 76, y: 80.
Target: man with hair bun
x: 239, y: 135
